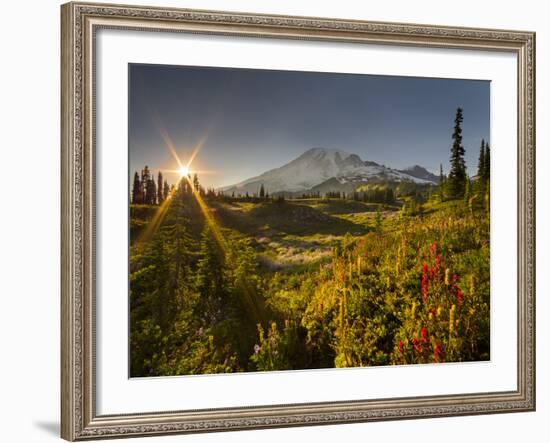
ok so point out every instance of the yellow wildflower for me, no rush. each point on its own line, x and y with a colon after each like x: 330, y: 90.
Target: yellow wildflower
x: 447, y: 276
x: 452, y: 319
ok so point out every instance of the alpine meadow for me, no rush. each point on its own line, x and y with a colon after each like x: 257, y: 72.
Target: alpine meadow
x: 283, y: 220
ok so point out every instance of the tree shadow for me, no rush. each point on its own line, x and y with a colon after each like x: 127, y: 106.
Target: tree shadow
x: 289, y: 218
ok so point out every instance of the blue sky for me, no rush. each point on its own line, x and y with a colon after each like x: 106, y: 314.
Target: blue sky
x: 251, y: 121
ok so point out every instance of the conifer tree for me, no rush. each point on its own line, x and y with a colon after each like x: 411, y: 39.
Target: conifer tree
x: 196, y: 184
x: 487, y: 175
x: 262, y: 191
x: 160, y: 190
x: 151, y: 192
x: 136, y: 189
x: 210, y: 276
x: 457, y: 175
x: 145, y: 177
x: 481, y: 181
x: 481, y: 162
x: 165, y: 190
x: 487, y: 163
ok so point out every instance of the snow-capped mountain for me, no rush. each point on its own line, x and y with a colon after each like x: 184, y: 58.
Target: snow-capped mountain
x: 319, y: 165
x: 420, y: 172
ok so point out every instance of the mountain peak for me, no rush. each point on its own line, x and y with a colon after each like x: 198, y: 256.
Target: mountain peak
x: 317, y: 165
x: 320, y: 151
x: 415, y: 168
x: 420, y: 172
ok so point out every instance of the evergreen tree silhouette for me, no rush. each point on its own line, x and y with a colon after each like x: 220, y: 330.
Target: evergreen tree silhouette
x: 457, y: 175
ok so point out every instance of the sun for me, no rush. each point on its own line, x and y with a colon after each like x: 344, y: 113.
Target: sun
x: 184, y: 171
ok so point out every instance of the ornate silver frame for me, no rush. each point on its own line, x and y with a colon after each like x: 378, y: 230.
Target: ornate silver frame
x: 80, y: 21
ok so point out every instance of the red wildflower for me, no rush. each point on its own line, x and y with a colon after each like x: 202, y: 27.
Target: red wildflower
x: 424, y: 334
x: 459, y: 296
x: 425, y: 280
x: 455, y: 278
x: 424, y: 287
x: 438, y: 263
x: 433, y: 248
x: 432, y: 272
x: 401, y: 347
x: 417, y: 345
x: 437, y: 352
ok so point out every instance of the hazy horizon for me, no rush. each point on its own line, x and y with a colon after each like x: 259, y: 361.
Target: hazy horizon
x: 265, y: 119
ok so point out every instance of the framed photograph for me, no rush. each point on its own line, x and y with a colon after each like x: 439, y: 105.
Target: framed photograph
x: 283, y: 221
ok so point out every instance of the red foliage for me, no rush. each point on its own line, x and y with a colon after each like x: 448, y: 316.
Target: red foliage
x: 425, y: 282
x: 437, y: 352
x: 424, y: 334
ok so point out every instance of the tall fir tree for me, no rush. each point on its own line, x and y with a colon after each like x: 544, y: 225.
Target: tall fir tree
x: 456, y: 181
x: 165, y: 190
x: 210, y: 277
x: 145, y: 178
x: 481, y: 161
x: 487, y: 175
x: 196, y: 184
x: 481, y: 181
x: 262, y: 191
x: 151, y: 192
x: 160, y: 190
x: 136, y: 190
x: 487, y: 164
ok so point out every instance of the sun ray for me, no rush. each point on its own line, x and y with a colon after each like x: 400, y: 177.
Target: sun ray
x: 184, y: 171
x: 224, y: 248
x: 170, y: 145
x: 208, y: 216
x: 166, y: 138
x: 157, y: 219
x: 196, y: 150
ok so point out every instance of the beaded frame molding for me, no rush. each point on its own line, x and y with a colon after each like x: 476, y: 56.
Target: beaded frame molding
x: 79, y: 23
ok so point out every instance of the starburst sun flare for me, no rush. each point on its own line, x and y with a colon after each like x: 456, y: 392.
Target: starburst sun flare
x: 184, y: 171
